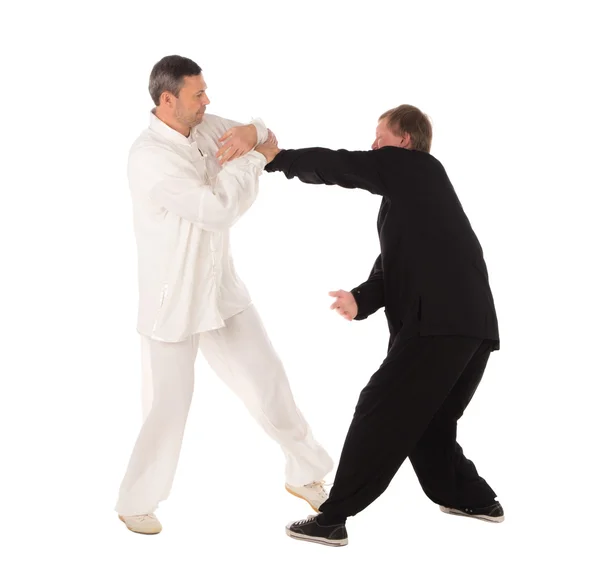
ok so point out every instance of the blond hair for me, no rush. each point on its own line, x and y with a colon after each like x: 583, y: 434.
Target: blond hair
x: 406, y: 119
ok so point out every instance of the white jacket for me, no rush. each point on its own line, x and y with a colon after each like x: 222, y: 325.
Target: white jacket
x: 183, y: 206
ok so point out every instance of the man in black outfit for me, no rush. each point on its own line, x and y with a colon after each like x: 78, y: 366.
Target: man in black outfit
x: 432, y: 281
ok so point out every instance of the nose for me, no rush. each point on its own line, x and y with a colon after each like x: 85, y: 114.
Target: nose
x: 374, y: 145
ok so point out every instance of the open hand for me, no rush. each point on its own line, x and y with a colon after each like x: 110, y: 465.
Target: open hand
x: 236, y: 142
x: 344, y: 304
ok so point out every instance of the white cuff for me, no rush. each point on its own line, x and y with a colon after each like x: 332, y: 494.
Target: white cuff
x: 261, y: 131
x: 258, y: 158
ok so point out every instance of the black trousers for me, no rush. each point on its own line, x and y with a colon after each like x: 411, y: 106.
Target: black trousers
x: 410, y: 408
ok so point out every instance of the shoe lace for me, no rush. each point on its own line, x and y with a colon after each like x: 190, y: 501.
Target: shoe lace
x: 320, y: 486
x: 144, y: 517
x: 304, y: 521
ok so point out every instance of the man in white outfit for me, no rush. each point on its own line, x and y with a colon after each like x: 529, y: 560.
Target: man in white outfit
x: 192, y: 176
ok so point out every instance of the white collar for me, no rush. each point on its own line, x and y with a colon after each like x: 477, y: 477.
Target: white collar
x: 164, y: 130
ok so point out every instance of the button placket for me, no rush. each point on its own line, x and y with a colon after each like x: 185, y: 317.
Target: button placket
x: 215, y: 253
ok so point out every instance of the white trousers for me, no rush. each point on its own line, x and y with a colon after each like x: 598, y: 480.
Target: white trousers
x: 242, y: 356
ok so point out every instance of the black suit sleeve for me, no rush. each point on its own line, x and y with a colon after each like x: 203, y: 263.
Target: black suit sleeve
x: 369, y: 295
x: 350, y: 169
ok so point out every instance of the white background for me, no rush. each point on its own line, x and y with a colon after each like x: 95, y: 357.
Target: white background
x: 511, y: 93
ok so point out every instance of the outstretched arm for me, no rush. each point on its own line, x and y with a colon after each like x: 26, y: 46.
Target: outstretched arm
x: 349, y: 169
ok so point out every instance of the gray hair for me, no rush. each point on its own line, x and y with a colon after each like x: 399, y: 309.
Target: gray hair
x: 168, y: 75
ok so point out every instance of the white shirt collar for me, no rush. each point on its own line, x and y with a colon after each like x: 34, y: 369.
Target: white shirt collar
x: 164, y: 130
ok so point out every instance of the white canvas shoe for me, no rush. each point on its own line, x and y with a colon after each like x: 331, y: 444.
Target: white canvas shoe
x: 142, y: 523
x: 314, y: 493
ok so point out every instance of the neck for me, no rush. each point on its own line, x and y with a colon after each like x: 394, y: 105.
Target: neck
x: 171, y: 122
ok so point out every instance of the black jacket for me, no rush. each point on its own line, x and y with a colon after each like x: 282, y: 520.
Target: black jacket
x: 431, y: 276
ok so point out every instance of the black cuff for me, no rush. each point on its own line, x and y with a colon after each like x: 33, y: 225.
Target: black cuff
x: 278, y: 162
x: 358, y: 295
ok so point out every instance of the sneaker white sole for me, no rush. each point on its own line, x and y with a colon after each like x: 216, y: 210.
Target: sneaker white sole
x: 324, y: 541
x: 455, y: 512
x: 137, y: 531
x: 302, y: 498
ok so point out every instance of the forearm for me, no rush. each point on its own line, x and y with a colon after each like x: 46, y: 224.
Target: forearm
x: 262, y: 134
x: 215, y: 206
x: 235, y: 191
x: 349, y: 169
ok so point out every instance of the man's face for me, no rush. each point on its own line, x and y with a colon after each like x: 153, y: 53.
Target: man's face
x: 385, y: 137
x: 192, y: 101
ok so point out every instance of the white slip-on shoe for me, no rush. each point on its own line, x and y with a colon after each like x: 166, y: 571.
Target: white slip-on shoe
x: 142, y: 523
x: 314, y: 493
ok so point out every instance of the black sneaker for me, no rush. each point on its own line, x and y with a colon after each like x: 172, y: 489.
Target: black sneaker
x: 492, y: 513
x: 311, y: 531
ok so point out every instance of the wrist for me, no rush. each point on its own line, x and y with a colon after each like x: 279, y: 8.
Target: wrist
x: 254, y: 131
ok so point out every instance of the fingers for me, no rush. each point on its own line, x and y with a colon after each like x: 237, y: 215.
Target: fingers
x: 339, y: 306
x: 231, y: 150
x: 226, y: 135
x: 226, y: 155
x: 222, y: 150
x: 343, y: 311
x: 272, y: 139
x: 235, y: 153
x: 222, y: 154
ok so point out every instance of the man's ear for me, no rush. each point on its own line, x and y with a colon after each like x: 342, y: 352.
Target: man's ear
x: 406, y: 143
x: 166, y: 99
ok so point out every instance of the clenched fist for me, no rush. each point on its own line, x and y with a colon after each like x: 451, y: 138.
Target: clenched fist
x: 344, y: 304
x: 272, y: 139
x: 269, y: 150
